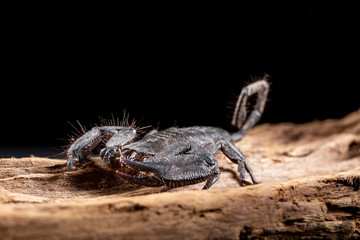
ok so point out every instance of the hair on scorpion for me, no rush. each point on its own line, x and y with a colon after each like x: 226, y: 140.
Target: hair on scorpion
x: 79, y: 129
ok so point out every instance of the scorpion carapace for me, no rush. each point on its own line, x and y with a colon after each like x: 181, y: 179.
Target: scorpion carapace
x: 173, y: 157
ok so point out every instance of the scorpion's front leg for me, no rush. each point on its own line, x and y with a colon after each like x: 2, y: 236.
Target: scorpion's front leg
x: 236, y: 156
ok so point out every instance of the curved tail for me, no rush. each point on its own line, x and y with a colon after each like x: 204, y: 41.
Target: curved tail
x: 240, y: 119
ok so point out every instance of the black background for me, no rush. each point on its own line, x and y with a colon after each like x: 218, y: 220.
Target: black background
x: 171, y: 65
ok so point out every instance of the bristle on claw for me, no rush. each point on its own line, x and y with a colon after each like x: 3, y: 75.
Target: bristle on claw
x: 80, y: 129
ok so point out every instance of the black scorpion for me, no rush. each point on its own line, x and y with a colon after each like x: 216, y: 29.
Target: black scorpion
x: 173, y: 157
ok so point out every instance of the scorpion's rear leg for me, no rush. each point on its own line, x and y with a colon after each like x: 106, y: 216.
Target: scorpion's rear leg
x: 235, y: 155
x: 240, y: 120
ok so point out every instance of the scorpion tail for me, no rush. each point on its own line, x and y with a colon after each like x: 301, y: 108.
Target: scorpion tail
x: 240, y: 119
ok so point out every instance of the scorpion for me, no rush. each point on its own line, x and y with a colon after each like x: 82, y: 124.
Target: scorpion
x: 173, y: 157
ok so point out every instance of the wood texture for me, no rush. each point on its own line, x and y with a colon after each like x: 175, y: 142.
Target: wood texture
x: 309, y: 174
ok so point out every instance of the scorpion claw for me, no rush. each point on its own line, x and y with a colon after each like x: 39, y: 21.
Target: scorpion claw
x: 146, y: 181
x: 108, y: 154
x: 71, y: 164
x: 139, y: 166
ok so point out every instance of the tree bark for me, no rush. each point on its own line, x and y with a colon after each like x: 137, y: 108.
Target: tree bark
x: 309, y: 174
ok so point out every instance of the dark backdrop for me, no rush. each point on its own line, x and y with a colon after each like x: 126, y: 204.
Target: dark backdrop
x: 173, y: 66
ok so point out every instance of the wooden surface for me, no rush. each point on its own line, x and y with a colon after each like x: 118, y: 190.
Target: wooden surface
x: 309, y: 174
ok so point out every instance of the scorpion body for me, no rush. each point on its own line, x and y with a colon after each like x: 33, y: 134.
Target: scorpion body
x: 173, y: 157
x: 158, y: 141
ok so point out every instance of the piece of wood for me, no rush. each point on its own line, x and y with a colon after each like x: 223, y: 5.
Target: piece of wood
x: 309, y: 174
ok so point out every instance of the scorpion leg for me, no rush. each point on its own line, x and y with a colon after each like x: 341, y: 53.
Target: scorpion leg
x: 214, y: 177
x: 236, y: 156
x: 174, y: 149
x: 240, y: 120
